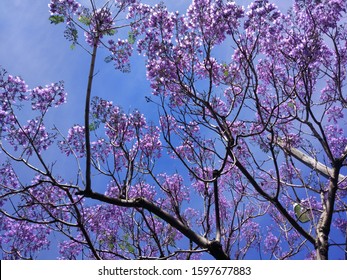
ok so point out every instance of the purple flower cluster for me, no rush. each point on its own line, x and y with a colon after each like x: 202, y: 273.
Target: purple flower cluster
x: 31, y: 137
x: 174, y: 188
x: 74, y: 142
x: 127, y: 137
x: 63, y: 7
x: 326, y: 13
x: 13, y: 90
x: 23, y: 239
x: 341, y: 224
x: 101, y: 24
x: 44, y: 97
x: 121, y: 52
x: 251, y: 233
x: 271, y: 243
x: 70, y: 249
x: 337, y: 139
x: 175, y: 44
x: 213, y: 20
x: 8, y: 181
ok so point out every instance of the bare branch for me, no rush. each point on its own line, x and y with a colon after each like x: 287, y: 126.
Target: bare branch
x: 324, y: 170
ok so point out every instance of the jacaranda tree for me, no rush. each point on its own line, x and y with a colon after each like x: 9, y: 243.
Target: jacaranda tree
x: 251, y: 105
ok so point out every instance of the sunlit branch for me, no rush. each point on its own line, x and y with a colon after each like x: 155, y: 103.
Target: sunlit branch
x: 324, y: 170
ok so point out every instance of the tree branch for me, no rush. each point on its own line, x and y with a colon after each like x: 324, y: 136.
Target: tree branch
x: 86, y: 117
x: 275, y: 202
x: 216, y: 175
x: 214, y: 247
x: 325, y: 171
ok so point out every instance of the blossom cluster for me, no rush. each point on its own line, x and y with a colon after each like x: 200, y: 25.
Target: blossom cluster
x: 97, y: 23
x: 121, y: 52
x: 213, y: 20
x: 173, y: 187
x: 176, y: 44
x: 23, y: 239
x: 63, y: 7
x: 32, y: 136
x: 75, y: 139
x: 8, y: 181
x: 44, y: 97
x: 13, y: 90
x: 127, y: 137
x: 101, y: 23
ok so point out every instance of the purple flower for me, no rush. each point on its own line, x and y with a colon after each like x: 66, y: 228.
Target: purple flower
x: 63, y: 7
x: 74, y: 142
x: 44, y: 97
x: 272, y: 244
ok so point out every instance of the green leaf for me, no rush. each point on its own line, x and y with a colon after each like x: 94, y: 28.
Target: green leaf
x: 111, y: 245
x: 122, y: 246
x: 130, y: 248
x: 291, y: 104
x: 226, y: 71
x: 301, y: 213
x: 93, y: 126
x: 56, y: 19
x: 125, y: 245
x: 71, y: 33
x: 111, y: 32
x: 108, y: 59
x: 85, y: 20
x: 131, y: 38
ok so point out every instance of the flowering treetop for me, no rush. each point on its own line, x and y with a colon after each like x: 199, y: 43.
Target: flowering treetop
x: 251, y: 106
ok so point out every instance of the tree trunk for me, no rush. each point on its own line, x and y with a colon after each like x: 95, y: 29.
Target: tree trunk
x: 324, y: 223
x: 322, y: 245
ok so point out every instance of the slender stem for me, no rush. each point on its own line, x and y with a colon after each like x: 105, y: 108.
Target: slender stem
x: 86, y: 117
